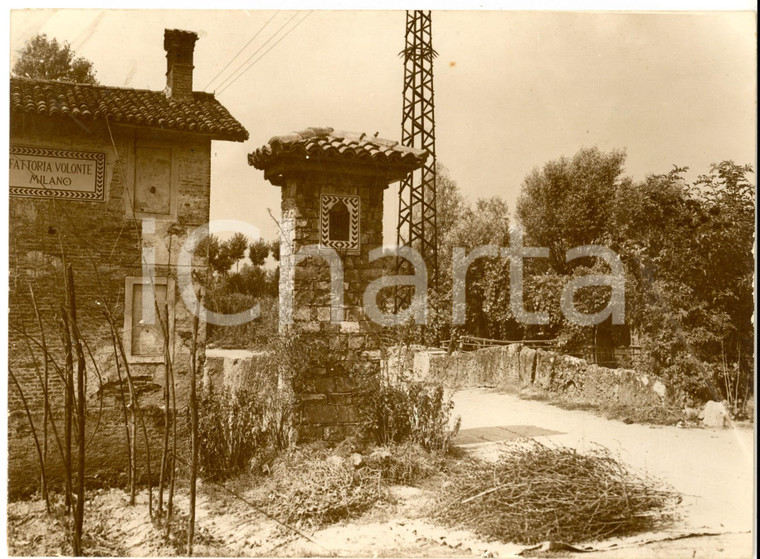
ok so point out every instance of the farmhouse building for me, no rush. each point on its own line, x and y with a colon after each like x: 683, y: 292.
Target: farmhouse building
x: 101, y: 178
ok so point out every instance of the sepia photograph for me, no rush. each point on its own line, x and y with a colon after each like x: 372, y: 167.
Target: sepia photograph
x: 313, y: 282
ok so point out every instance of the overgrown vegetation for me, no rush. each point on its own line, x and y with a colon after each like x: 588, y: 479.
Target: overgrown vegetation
x: 231, y: 430
x: 686, y: 247
x: 661, y: 413
x: 232, y: 288
x: 535, y: 493
x: 402, y: 411
x: 239, y: 427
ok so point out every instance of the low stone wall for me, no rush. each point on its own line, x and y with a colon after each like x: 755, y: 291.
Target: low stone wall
x: 325, y: 409
x: 517, y: 365
x: 233, y: 369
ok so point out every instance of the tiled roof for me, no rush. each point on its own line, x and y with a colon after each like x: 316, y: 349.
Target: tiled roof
x: 326, y: 143
x: 203, y: 114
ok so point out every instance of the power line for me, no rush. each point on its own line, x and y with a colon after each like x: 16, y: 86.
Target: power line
x: 241, y: 50
x: 299, y: 22
x: 254, y: 53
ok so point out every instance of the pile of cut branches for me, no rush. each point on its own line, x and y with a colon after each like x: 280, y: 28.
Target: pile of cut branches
x: 311, y: 487
x: 535, y: 493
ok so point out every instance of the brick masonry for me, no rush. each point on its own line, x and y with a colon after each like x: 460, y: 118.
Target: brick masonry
x: 102, y: 243
x: 327, y: 408
x: 307, y: 284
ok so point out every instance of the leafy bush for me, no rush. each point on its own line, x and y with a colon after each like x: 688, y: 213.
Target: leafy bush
x: 406, y: 411
x: 231, y: 430
x: 258, y: 332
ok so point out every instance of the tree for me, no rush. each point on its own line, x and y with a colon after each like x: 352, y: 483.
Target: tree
x: 274, y: 249
x: 45, y: 58
x: 236, y: 246
x: 688, y: 254
x: 258, y: 252
x: 487, y: 286
x: 219, y: 259
x: 450, y: 204
x: 568, y: 202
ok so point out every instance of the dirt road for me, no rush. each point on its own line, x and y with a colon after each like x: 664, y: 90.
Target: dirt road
x: 711, y: 468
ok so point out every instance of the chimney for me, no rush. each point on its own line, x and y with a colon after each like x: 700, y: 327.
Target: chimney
x: 179, y: 46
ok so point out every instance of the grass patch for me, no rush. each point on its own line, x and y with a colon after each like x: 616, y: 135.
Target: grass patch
x: 535, y: 493
x: 647, y: 414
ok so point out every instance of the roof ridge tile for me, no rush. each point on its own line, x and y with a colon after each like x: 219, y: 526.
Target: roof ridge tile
x: 60, y: 99
x: 336, y: 144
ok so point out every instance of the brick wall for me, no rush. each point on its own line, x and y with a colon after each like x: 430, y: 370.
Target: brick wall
x: 102, y: 246
x: 180, y: 81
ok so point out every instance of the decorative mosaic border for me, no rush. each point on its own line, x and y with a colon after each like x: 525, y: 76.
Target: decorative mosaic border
x: 353, y: 203
x: 98, y: 195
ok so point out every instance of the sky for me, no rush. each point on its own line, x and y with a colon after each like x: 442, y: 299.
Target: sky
x: 513, y: 90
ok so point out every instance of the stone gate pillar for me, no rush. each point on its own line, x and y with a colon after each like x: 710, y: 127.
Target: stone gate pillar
x: 332, y: 187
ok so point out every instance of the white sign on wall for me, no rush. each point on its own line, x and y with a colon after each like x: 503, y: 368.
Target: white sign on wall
x: 45, y: 173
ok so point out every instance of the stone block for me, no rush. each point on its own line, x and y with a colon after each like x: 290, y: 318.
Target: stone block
x: 310, y: 327
x: 323, y: 285
x: 323, y: 384
x: 347, y: 414
x: 569, y: 374
x: 302, y: 314
x: 337, y: 343
x: 544, y: 368
x: 343, y: 384
x: 350, y: 327
x: 312, y: 397
x: 319, y: 412
x: 309, y: 433
x: 715, y: 414
x: 511, y: 362
x: 356, y: 342
x: 527, y: 370
x: 323, y: 314
x: 342, y: 398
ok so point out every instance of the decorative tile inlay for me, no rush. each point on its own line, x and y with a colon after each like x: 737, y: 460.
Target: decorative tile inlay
x: 353, y: 204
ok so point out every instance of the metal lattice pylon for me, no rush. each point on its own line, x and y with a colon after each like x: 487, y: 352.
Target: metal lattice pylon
x: 417, y: 225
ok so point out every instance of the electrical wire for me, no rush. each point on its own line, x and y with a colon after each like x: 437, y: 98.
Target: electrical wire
x: 272, y: 36
x: 241, y: 50
x: 266, y: 51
